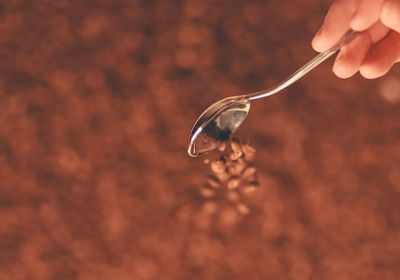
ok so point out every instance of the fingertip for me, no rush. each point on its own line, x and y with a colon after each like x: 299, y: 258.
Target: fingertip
x: 342, y: 71
x: 390, y: 14
x: 340, y: 74
x: 382, y: 58
x: 316, y: 45
x: 336, y: 23
x: 317, y: 41
x: 369, y: 71
x: 351, y: 57
x: 320, y: 42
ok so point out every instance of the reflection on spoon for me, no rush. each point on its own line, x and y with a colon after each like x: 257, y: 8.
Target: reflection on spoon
x: 214, y: 127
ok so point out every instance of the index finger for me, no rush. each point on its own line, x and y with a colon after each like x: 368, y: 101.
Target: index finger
x: 368, y: 13
x: 336, y: 23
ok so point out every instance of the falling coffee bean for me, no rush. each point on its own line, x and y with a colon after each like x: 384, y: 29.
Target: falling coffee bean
x: 232, y: 177
x: 237, y: 167
x: 223, y: 176
x: 207, y: 192
x: 213, y: 181
x: 249, y: 174
x: 236, y: 149
x: 233, y: 183
x: 249, y: 152
x: 242, y: 208
x: 248, y: 188
x: 218, y: 166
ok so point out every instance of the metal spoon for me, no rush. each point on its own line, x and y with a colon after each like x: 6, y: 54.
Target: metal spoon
x: 214, y: 127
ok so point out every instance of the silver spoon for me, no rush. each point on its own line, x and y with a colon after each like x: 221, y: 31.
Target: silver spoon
x: 214, y: 127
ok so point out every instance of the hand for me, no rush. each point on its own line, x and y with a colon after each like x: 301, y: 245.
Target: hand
x: 374, y: 51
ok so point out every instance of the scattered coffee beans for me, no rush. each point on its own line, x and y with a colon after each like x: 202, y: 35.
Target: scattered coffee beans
x: 232, y: 177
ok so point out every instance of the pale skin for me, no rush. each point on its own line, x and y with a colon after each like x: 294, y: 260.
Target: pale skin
x: 376, y: 49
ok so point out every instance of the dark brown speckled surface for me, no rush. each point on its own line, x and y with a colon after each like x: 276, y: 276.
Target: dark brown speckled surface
x: 97, y: 99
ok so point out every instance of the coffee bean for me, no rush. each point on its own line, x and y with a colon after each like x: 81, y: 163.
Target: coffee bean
x: 236, y: 147
x: 221, y: 147
x: 237, y: 150
x: 248, y: 188
x: 207, y: 192
x: 218, y: 166
x: 233, y: 183
x: 249, y: 152
x: 213, y: 181
x: 223, y: 176
x: 237, y: 167
x: 249, y: 174
x: 242, y: 208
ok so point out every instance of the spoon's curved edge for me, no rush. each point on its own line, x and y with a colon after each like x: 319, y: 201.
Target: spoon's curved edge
x: 191, y: 150
x: 206, y: 117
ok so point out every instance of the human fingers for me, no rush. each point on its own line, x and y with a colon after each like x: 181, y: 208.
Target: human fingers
x: 382, y: 58
x: 368, y: 12
x: 390, y: 14
x: 336, y: 23
x: 352, y: 56
x: 377, y: 32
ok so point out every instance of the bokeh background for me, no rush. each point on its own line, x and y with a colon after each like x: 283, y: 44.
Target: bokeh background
x: 97, y: 99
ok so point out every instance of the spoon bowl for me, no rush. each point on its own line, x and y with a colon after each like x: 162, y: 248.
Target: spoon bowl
x: 214, y: 127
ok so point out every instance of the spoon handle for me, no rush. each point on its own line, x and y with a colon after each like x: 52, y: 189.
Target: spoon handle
x: 317, y: 60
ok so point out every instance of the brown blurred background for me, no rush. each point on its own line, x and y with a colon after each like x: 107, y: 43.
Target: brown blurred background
x: 97, y: 99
